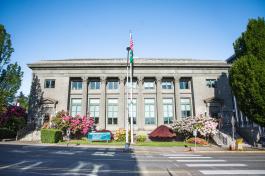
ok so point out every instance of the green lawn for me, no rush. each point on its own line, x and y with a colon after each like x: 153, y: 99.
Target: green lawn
x: 149, y: 143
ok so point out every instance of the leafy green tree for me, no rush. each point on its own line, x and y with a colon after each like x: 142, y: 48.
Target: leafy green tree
x: 252, y: 42
x: 247, y: 74
x: 10, y: 74
x: 23, y: 100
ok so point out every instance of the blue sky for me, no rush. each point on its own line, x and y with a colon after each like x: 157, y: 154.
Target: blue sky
x: 61, y: 29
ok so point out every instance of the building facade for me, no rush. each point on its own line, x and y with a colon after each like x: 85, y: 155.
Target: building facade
x: 164, y: 90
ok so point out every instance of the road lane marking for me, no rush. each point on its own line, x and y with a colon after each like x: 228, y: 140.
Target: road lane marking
x: 190, y: 157
x: 190, y: 161
x: 12, y: 165
x: 233, y: 172
x: 31, y: 166
x: 216, y: 165
x: 95, y: 169
x: 180, y: 154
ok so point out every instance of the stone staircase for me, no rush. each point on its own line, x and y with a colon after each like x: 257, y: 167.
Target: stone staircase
x: 224, y: 136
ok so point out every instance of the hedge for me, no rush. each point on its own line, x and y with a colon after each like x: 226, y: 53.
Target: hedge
x: 51, y: 135
x: 6, y: 133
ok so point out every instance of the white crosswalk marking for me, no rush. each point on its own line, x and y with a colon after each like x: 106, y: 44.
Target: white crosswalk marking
x: 190, y: 157
x: 179, y: 154
x: 12, y: 165
x: 31, y: 166
x: 194, y: 161
x: 233, y: 172
x: 216, y: 165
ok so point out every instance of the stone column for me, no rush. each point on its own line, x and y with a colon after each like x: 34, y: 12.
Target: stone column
x: 84, y: 95
x: 122, y: 103
x: 159, y: 101
x: 102, y: 118
x: 140, y: 105
x: 177, y: 98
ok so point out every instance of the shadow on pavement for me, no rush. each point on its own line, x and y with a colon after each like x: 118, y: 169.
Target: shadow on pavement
x: 43, y: 160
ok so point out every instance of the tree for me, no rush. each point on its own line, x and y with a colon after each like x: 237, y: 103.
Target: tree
x: 23, y: 100
x: 252, y: 42
x: 247, y: 74
x: 10, y: 74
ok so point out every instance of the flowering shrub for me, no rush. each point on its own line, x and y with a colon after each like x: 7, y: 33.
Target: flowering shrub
x: 78, y: 125
x: 13, y: 118
x: 120, y: 135
x: 205, y: 126
x: 198, y: 141
x: 141, y: 137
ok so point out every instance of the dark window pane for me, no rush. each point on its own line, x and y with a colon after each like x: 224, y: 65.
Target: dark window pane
x: 109, y: 120
x: 115, y: 120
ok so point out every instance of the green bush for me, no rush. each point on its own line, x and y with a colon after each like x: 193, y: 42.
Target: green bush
x: 51, y: 135
x: 15, y: 123
x: 141, y: 138
x: 7, y: 133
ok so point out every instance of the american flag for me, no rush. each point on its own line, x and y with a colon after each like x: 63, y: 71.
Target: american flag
x: 131, y: 42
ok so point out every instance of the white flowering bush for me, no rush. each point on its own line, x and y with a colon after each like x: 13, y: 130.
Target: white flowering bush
x: 205, y: 126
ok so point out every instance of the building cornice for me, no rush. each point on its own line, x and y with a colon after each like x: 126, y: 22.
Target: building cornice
x: 151, y: 62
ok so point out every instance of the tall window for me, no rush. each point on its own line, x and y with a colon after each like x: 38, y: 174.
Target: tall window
x: 49, y: 83
x: 184, y: 83
x: 113, y: 85
x: 76, y: 107
x: 134, y: 111
x: 94, y: 85
x: 149, y: 110
x: 113, y: 111
x: 211, y: 83
x: 185, y: 107
x: 167, y: 84
x: 76, y: 85
x: 149, y: 84
x: 168, y: 110
x: 94, y: 109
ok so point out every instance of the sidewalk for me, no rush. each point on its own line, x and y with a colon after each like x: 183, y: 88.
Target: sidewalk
x: 140, y: 149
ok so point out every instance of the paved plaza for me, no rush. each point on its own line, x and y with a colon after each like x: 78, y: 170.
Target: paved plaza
x: 92, y: 161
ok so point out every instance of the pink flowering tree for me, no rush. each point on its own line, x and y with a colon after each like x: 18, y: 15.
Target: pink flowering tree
x: 79, y: 126
x: 205, y: 126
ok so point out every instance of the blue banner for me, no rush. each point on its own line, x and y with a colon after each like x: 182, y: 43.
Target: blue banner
x: 101, y: 136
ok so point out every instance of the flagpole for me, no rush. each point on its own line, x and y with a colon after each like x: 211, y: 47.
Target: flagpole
x: 131, y: 79
x: 127, y: 97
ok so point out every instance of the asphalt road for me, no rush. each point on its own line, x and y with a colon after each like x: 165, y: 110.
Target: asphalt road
x: 53, y: 160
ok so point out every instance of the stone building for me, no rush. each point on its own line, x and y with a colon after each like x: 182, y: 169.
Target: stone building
x: 164, y: 90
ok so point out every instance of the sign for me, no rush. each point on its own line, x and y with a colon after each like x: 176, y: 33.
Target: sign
x: 68, y: 132
x: 101, y: 136
x: 195, y: 133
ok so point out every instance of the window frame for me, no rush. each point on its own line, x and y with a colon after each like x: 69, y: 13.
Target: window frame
x: 51, y: 84
x: 211, y: 83
x: 149, y: 120
x: 94, y: 85
x: 184, y: 83
x: 75, y: 104
x: 185, y: 114
x: 92, y: 112
x: 114, y: 84
x: 167, y: 118
x: 147, y: 84
x: 78, y: 85
x: 167, y: 84
x: 113, y: 120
